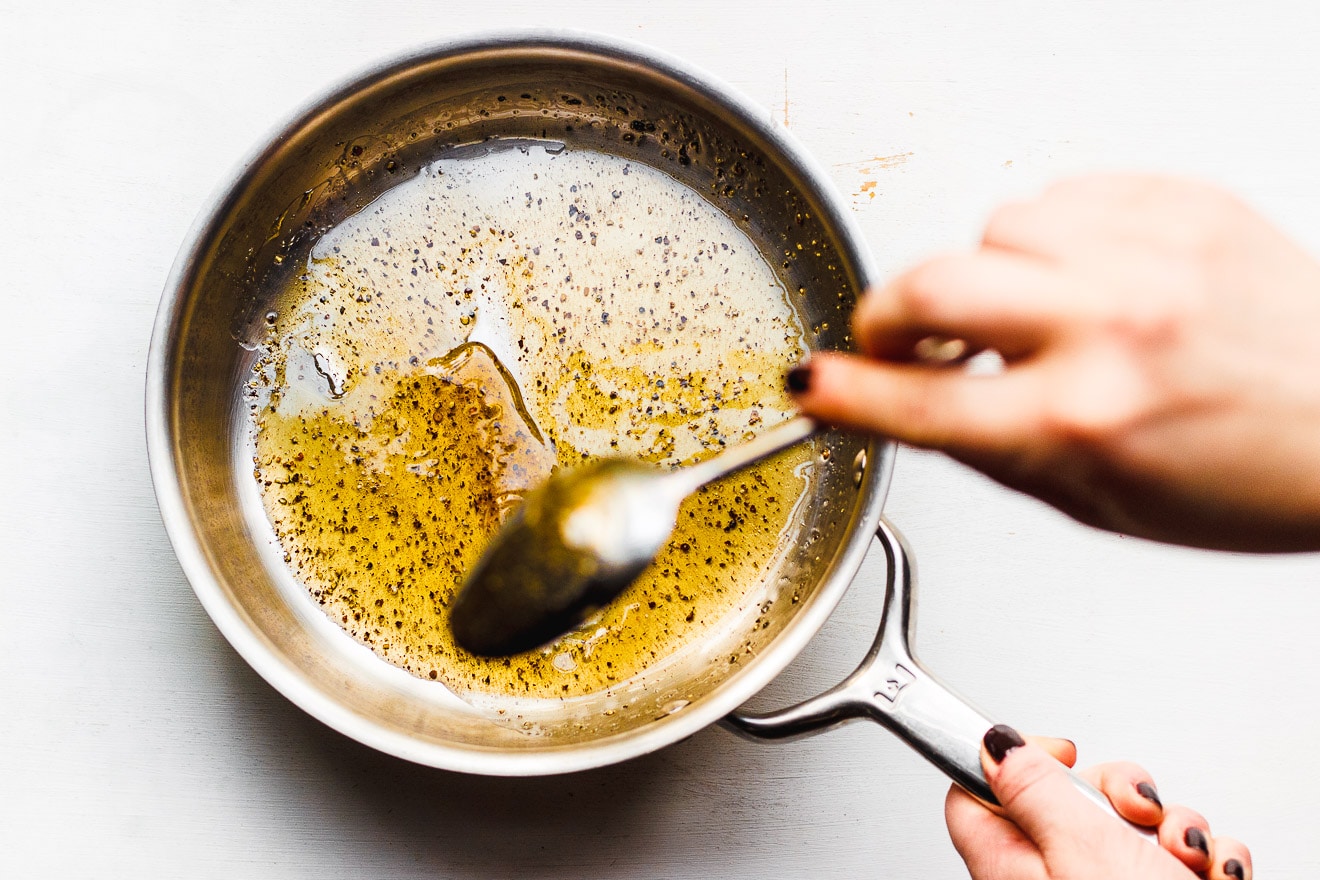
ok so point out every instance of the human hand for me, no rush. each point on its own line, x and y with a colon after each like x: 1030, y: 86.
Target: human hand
x: 1047, y: 830
x: 1162, y: 363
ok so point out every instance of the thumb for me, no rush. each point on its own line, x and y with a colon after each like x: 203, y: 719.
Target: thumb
x: 1035, y: 792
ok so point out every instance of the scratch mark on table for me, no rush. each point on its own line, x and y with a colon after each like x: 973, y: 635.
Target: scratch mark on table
x: 876, y: 163
x: 866, y: 192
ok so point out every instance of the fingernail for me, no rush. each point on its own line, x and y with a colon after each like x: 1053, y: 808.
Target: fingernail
x: 799, y: 378
x: 940, y: 350
x: 1195, y: 838
x: 1146, y: 790
x: 1000, y: 740
x: 1233, y: 868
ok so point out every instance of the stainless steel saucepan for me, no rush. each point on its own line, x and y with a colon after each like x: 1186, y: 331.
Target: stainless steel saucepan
x: 333, y: 159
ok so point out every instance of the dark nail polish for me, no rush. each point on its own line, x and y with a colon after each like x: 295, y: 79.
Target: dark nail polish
x: 1000, y: 740
x: 1146, y: 790
x: 1195, y: 838
x: 799, y: 378
x: 1233, y: 868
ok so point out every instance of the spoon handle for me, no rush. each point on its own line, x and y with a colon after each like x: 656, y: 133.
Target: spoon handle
x: 762, y: 446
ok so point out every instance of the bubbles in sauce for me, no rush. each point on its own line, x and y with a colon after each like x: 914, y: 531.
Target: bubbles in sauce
x: 505, y: 313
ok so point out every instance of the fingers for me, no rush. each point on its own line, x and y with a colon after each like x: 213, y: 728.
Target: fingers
x: 1086, y: 218
x: 991, y: 845
x: 1062, y: 750
x: 1186, y: 834
x: 1034, y: 792
x: 1130, y: 789
x: 936, y: 408
x: 1232, y: 860
x: 1058, y: 224
x: 1016, y: 292
x: 989, y: 298
x: 1183, y: 832
x: 1042, y: 813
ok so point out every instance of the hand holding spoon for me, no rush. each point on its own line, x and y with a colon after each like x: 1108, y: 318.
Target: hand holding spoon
x: 580, y: 539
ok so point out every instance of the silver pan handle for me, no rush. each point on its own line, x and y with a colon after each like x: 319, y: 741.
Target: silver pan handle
x: 893, y: 688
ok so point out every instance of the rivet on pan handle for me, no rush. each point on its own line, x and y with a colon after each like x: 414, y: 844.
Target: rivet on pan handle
x: 893, y: 688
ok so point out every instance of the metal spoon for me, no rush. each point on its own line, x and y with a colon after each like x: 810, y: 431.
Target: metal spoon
x: 580, y: 539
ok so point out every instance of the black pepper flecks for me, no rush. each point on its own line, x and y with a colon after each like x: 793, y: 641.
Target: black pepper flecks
x: 458, y: 339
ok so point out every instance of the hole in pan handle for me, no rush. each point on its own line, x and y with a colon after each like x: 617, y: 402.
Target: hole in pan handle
x: 893, y: 688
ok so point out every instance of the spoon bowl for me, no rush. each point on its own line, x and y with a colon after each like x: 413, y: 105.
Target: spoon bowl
x: 580, y: 539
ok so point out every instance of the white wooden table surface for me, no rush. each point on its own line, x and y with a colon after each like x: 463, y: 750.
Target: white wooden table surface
x: 135, y: 743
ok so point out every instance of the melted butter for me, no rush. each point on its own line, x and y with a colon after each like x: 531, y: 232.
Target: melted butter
x: 501, y: 315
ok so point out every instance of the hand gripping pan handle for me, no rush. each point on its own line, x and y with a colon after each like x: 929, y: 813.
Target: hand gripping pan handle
x: 893, y: 688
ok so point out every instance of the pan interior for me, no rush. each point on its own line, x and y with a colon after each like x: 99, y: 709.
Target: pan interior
x: 346, y: 157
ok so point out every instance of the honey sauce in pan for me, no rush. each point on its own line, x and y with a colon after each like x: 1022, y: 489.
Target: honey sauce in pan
x: 507, y: 312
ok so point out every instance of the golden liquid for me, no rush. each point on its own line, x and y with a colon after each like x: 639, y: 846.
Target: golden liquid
x: 498, y: 317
